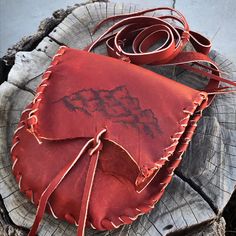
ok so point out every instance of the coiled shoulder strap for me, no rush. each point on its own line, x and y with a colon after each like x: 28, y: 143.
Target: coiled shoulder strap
x: 136, y: 34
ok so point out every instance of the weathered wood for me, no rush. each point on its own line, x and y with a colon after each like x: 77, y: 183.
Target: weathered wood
x: 201, y: 186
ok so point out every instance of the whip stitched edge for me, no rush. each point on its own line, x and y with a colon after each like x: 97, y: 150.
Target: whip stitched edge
x: 32, y: 118
x: 139, y: 210
x: 177, y: 146
x: 188, y: 121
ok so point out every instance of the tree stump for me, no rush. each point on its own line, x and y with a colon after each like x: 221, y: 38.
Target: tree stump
x: 202, y: 185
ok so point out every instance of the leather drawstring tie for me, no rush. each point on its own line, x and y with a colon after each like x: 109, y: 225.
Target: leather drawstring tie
x: 94, y: 155
x: 135, y: 36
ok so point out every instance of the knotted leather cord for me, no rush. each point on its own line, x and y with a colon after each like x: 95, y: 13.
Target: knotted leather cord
x: 142, y: 32
x: 94, y: 155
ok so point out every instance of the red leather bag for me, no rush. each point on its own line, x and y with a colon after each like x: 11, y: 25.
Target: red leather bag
x: 100, y: 141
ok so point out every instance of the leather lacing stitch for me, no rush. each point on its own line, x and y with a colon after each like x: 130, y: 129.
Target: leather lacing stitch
x: 147, y: 206
x: 175, y: 139
x: 32, y: 118
x: 190, y: 112
x: 19, y: 176
x: 183, y: 123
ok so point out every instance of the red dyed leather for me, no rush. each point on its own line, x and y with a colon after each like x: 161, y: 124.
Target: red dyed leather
x: 100, y: 141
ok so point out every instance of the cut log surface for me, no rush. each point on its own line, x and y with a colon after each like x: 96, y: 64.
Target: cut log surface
x: 202, y: 185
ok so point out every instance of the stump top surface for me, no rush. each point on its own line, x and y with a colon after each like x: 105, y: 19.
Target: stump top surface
x: 203, y: 183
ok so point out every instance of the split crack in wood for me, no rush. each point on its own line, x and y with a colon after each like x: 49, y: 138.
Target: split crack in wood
x: 198, y: 190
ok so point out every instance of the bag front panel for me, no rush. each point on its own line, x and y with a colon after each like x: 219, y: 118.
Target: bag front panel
x: 141, y: 110
x: 114, y: 194
x: 139, y: 129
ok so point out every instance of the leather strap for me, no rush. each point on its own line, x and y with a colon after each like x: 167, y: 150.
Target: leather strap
x: 87, y: 193
x: 94, y: 155
x: 135, y: 35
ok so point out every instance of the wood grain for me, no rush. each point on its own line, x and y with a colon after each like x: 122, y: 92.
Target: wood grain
x: 202, y: 185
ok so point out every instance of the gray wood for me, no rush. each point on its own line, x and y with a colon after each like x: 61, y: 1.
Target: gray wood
x: 203, y: 183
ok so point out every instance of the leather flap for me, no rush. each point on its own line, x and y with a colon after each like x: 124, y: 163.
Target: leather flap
x: 82, y: 93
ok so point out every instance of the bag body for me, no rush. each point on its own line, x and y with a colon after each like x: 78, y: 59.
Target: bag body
x: 101, y: 139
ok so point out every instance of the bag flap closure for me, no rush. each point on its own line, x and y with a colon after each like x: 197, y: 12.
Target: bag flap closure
x: 82, y: 93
